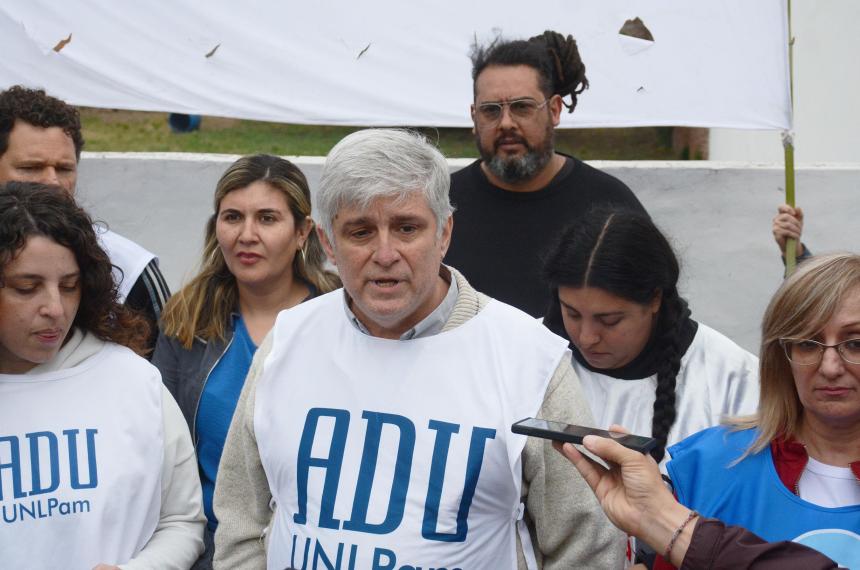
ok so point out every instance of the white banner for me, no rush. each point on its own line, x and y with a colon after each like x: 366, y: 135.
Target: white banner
x: 712, y: 63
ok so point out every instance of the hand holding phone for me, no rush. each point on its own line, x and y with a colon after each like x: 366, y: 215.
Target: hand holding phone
x: 558, y: 431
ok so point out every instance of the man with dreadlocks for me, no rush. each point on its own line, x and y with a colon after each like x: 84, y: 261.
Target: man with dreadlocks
x: 514, y: 201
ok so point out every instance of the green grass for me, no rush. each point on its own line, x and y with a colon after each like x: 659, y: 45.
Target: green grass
x: 131, y: 131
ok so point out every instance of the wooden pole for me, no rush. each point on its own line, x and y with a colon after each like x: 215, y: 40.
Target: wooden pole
x: 788, y: 146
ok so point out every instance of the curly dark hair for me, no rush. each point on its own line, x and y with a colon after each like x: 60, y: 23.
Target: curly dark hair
x: 554, y: 56
x: 33, y: 209
x: 623, y: 253
x: 34, y: 106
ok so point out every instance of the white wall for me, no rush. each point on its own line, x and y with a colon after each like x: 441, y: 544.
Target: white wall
x: 717, y: 216
x: 826, y: 87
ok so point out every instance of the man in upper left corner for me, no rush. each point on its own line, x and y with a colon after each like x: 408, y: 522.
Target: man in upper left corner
x: 41, y: 141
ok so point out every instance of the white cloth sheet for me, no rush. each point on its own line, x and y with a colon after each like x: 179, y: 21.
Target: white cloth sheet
x: 722, y: 63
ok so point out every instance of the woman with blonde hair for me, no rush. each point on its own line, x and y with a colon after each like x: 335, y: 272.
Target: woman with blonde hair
x: 261, y: 256
x: 792, y: 470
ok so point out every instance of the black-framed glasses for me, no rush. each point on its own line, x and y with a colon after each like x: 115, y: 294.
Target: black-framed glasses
x: 806, y: 352
x: 520, y: 109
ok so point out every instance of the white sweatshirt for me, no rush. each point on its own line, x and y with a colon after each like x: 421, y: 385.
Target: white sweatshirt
x: 178, y: 537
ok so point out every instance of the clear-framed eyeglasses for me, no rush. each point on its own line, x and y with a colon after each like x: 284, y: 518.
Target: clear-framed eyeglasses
x: 524, y: 109
x: 806, y: 352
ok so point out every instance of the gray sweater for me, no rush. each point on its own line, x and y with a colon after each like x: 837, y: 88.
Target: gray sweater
x: 568, y: 527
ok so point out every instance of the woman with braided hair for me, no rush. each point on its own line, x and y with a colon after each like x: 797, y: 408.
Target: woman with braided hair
x: 643, y: 362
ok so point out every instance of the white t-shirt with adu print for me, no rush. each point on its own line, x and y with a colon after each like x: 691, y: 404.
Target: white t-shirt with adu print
x: 81, y: 451
x: 389, y: 453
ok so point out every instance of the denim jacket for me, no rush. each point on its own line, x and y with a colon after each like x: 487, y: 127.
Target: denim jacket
x: 185, y: 371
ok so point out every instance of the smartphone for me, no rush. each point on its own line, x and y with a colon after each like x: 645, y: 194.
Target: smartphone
x: 573, y: 434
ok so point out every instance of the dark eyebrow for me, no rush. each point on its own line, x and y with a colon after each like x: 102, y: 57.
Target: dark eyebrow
x: 508, y: 101
x: 36, y: 277
x: 607, y: 314
x: 39, y: 160
x: 261, y: 211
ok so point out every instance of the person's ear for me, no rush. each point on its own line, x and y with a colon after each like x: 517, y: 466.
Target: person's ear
x: 472, y: 113
x: 304, y: 229
x: 327, y: 245
x: 445, y: 238
x: 656, y: 302
x: 555, y: 107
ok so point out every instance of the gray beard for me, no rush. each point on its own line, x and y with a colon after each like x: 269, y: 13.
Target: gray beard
x: 519, y: 169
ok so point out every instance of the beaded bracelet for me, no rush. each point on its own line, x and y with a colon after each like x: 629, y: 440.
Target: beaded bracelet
x: 677, y: 533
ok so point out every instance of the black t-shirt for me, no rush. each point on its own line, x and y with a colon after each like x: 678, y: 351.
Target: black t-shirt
x: 501, y: 238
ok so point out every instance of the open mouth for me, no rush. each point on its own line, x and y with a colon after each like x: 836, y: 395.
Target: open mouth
x: 385, y: 283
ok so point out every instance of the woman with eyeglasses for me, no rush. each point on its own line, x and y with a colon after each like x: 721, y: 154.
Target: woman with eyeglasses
x: 792, y: 470
x: 261, y: 256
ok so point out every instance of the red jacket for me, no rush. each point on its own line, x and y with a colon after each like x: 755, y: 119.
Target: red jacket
x: 790, y: 459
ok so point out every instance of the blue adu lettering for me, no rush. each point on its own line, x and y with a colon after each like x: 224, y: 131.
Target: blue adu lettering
x: 35, y: 460
x: 72, y: 435
x: 474, y: 462
x: 375, y: 421
x: 367, y: 470
x: 331, y: 464
x: 42, y: 464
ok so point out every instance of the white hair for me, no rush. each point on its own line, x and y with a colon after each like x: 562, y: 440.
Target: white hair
x: 382, y: 163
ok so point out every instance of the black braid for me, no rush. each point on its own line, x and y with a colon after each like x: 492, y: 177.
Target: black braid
x: 569, y: 71
x: 625, y: 254
x: 670, y: 323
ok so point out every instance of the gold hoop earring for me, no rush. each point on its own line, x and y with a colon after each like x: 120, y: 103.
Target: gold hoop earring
x: 304, y: 256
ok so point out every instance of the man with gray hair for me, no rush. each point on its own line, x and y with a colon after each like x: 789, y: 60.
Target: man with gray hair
x: 373, y: 430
